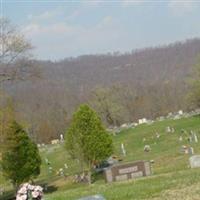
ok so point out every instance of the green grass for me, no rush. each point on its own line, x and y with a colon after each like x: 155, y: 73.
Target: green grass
x: 170, y: 169
x: 144, y: 188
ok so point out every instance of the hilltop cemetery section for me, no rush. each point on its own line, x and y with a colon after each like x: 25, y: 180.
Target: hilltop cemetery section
x: 170, y: 141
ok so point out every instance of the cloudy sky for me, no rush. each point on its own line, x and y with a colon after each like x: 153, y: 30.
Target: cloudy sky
x: 60, y: 29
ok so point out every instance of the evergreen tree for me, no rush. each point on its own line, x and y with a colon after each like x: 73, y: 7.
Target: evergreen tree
x: 87, y: 140
x: 7, y: 115
x: 20, y: 160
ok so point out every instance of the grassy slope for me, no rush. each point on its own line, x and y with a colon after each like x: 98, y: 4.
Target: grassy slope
x: 170, y: 170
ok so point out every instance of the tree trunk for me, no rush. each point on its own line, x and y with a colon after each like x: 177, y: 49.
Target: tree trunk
x: 89, y: 177
x: 89, y: 174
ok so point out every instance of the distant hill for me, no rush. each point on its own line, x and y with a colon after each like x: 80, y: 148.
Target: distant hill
x: 156, y: 78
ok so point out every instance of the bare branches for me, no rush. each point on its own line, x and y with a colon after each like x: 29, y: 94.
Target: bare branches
x: 14, y: 51
x: 13, y: 44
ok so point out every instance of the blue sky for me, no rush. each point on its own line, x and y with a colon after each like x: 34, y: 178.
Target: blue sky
x: 59, y: 29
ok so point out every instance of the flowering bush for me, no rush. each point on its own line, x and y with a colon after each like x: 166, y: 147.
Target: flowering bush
x: 28, y: 191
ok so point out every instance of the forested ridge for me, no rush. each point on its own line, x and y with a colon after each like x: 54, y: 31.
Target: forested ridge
x: 121, y: 87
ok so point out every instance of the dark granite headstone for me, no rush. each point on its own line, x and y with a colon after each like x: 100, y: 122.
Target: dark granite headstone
x: 127, y: 171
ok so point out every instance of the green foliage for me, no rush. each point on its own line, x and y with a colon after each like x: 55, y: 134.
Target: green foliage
x: 87, y: 139
x: 6, y: 117
x: 20, y: 160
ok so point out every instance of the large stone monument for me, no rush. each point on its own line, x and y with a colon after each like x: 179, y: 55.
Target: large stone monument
x: 127, y: 171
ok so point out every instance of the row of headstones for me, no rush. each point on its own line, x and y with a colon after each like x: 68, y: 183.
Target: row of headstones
x: 60, y: 172
x: 177, y: 115
x: 180, y: 114
x: 53, y: 142
x: 184, y: 149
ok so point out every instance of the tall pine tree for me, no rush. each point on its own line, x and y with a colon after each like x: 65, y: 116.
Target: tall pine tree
x: 20, y: 160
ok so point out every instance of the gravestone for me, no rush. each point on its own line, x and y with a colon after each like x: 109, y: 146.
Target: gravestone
x: 147, y: 148
x: 180, y: 112
x: 195, y: 138
x: 61, y: 137
x: 94, y: 197
x: 127, y: 171
x: 66, y: 166
x: 123, y: 149
x: 194, y: 161
x: 142, y: 121
x: 191, y: 151
x: 168, y: 129
x: 157, y: 135
x: 124, y: 126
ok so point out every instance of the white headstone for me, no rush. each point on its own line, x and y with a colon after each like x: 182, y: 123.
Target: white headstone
x: 147, y: 148
x: 195, y: 138
x: 46, y: 160
x: 191, y: 151
x: 124, y: 126
x: 194, y: 161
x: 123, y: 149
x: 140, y: 121
x: 95, y: 197
x: 180, y: 112
x: 144, y: 120
x: 157, y: 135
x: 168, y: 129
x: 65, y: 165
x: 61, y: 137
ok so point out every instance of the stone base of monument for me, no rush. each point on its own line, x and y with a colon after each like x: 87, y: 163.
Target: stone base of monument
x: 127, y: 171
x: 94, y: 197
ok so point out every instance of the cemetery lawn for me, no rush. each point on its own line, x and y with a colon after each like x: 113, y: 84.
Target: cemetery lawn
x: 170, y: 186
x: 172, y: 178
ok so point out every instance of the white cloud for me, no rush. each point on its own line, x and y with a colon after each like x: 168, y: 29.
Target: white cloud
x: 44, y: 16
x: 36, y: 29
x: 62, y: 39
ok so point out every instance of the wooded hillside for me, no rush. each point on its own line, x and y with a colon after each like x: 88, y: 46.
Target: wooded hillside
x: 121, y: 87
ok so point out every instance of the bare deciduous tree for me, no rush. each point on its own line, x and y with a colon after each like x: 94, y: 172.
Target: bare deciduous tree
x: 14, y: 53
x: 13, y: 44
